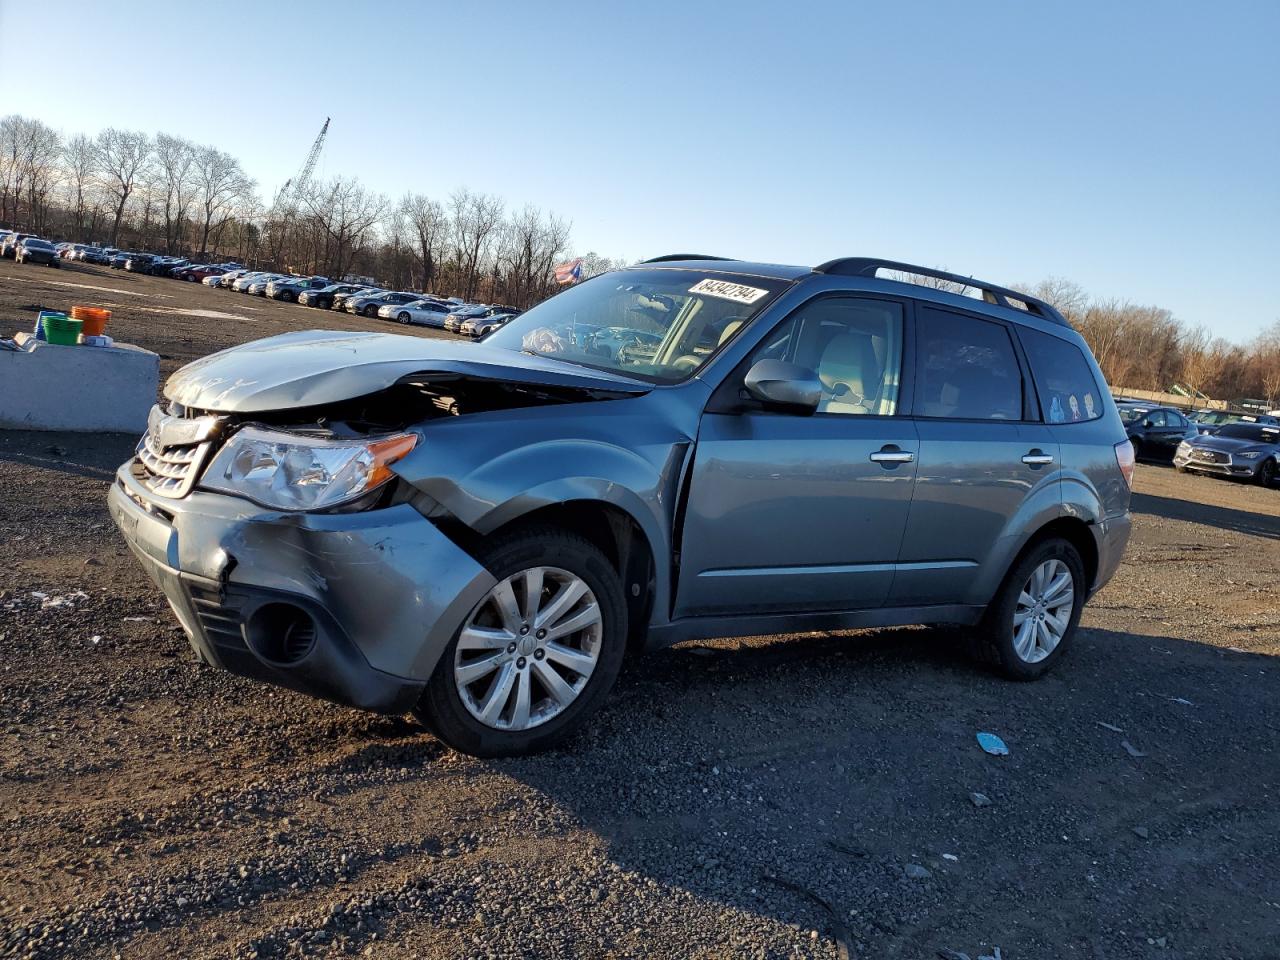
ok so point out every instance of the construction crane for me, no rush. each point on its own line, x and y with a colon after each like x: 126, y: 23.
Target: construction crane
x: 290, y: 196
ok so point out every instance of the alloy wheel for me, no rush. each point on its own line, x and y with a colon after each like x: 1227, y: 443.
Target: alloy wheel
x: 1042, y: 613
x: 529, y: 648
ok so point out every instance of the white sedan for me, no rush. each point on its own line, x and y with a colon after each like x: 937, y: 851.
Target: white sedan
x: 428, y: 313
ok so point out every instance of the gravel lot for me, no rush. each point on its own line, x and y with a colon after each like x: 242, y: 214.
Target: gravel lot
x: 808, y: 796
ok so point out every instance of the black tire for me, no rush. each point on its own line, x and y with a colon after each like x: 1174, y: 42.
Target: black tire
x: 370, y: 311
x: 1267, y: 473
x: 441, y: 709
x: 993, y: 637
x: 403, y: 317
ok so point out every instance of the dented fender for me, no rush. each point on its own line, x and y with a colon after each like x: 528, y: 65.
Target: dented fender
x: 489, y: 470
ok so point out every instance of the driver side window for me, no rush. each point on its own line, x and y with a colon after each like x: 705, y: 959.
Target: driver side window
x: 854, y: 346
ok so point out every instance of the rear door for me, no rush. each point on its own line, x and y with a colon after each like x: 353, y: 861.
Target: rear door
x: 983, y: 454
x: 793, y: 512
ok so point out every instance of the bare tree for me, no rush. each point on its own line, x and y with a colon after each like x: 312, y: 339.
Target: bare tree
x: 30, y: 167
x: 122, y: 156
x: 219, y: 184
x: 593, y: 264
x: 346, y: 212
x: 80, y: 160
x: 529, y: 248
x: 430, y: 225
x: 1066, y: 296
x: 1203, y: 359
x: 475, y: 218
x: 176, y: 183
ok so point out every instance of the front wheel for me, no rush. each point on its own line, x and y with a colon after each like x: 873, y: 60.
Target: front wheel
x: 1033, y: 618
x: 537, y: 656
x: 403, y: 317
x: 1266, y: 476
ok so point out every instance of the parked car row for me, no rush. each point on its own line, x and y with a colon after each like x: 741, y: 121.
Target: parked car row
x: 406, y: 307
x: 1245, y: 446
x: 475, y: 320
x: 27, y: 248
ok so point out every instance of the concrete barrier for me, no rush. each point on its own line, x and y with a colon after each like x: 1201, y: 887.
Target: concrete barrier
x: 44, y: 386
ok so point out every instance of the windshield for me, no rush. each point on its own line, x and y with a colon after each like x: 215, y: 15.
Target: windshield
x: 655, y: 324
x: 1250, y: 431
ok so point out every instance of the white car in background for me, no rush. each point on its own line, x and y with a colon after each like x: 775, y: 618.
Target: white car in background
x: 427, y: 313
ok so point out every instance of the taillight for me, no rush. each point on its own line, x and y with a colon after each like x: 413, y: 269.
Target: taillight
x: 1125, y: 460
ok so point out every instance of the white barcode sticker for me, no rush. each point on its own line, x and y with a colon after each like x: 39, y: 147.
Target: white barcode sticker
x: 738, y: 292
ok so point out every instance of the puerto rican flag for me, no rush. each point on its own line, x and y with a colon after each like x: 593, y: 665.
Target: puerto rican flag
x: 570, y: 272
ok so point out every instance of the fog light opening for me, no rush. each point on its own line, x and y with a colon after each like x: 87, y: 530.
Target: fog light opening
x: 281, y: 634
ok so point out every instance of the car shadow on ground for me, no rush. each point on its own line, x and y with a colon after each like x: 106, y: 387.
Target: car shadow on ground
x: 1224, y: 518
x: 828, y: 781
x: 92, y: 455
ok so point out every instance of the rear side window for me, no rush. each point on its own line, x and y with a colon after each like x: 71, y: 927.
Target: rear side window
x: 967, y: 369
x: 1064, y: 380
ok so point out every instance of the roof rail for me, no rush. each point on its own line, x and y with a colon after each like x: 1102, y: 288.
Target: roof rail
x: 868, y: 266
x: 683, y: 256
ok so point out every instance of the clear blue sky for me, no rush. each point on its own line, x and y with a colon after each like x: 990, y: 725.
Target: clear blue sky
x: 1131, y: 147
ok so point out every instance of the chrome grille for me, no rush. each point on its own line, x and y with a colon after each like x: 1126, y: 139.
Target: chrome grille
x: 1211, y: 456
x: 173, y: 451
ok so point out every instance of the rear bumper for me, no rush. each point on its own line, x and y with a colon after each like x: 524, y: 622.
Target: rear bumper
x: 1111, y: 536
x: 383, y: 590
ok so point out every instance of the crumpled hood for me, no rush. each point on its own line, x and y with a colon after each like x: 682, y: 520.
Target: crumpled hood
x: 314, y: 367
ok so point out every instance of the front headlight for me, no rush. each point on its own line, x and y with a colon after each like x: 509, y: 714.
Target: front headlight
x: 1184, y: 447
x: 293, y: 472
x: 1250, y: 455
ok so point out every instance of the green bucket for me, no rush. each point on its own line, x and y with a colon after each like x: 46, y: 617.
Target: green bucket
x: 61, y: 329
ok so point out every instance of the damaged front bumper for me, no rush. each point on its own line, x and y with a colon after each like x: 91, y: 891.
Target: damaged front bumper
x: 356, y: 607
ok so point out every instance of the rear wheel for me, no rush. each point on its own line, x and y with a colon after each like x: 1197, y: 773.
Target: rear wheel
x: 1033, y: 618
x: 537, y: 656
x: 370, y: 311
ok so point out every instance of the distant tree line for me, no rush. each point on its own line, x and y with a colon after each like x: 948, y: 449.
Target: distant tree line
x: 165, y: 194
x: 1147, y: 348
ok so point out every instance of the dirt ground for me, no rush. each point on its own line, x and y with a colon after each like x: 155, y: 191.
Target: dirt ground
x: 807, y: 796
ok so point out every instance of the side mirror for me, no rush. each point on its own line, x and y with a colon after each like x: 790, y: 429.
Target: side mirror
x: 777, y: 383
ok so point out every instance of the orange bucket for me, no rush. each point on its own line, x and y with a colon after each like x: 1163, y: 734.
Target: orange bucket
x: 95, y: 319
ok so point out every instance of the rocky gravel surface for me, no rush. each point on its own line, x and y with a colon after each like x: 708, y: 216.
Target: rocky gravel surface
x: 812, y: 796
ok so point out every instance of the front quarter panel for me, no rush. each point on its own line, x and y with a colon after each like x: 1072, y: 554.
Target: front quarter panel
x: 490, y: 469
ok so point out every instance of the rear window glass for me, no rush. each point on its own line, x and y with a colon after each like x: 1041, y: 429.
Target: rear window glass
x: 1064, y: 380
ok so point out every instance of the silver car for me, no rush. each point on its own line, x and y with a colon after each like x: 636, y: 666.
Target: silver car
x: 428, y: 313
x: 481, y: 533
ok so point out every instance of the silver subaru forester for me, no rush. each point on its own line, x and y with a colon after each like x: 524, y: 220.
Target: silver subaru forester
x: 692, y: 447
